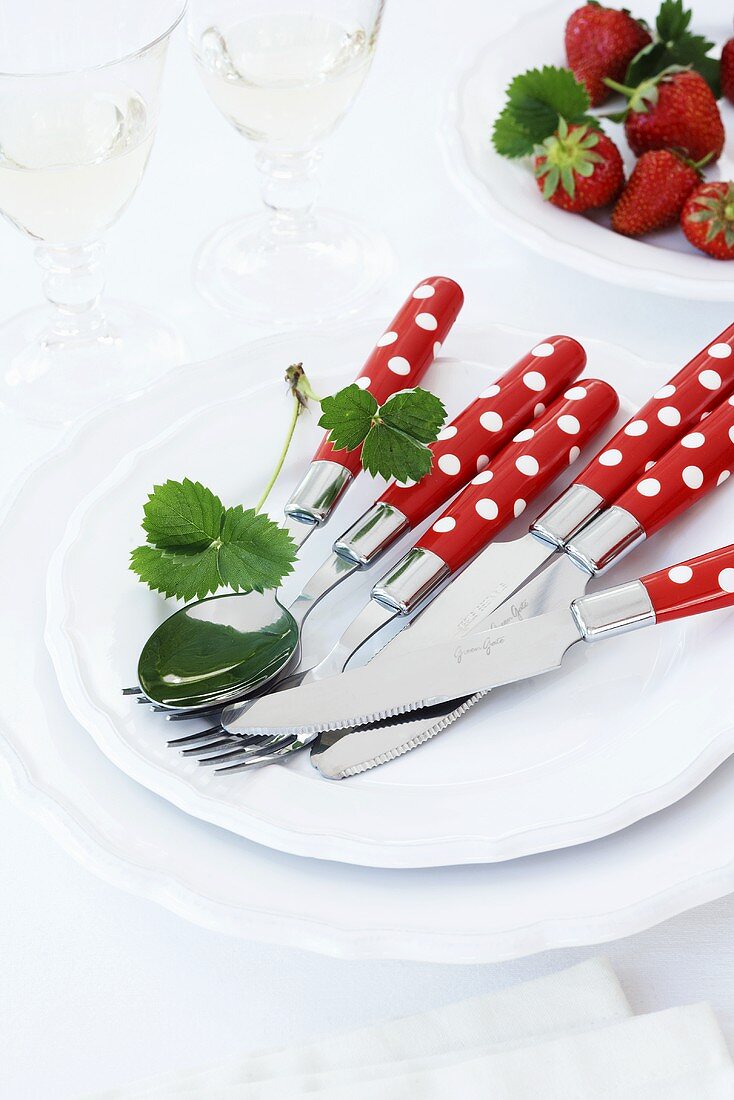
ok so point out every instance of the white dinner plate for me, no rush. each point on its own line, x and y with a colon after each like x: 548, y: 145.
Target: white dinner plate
x: 623, y: 730
x: 506, y: 191
x: 611, y: 888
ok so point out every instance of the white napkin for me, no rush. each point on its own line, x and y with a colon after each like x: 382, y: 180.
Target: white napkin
x: 585, y: 996
x: 569, y: 1036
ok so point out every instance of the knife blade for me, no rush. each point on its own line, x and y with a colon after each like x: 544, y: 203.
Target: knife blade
x: 505, y: 655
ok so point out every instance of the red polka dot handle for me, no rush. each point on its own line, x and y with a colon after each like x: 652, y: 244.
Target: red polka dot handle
x: 705, y: 583
x: 692, y: 467
x: 467, y: 445
x: 404, y: 352
x: 673, y: 410
x: 528, y: 465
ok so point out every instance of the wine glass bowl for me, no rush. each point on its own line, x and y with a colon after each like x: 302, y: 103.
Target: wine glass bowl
x: 79, y: 90
x: 284, y: 74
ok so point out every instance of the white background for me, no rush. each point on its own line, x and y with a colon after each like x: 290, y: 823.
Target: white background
x: 97, y: 987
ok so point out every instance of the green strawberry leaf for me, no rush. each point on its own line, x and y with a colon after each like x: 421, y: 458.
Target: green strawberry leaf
x: 417, y: 413
x: 396, y: 445
x: 536, y: 101
x: 347, y: 416
x: 675, y: 45
x: 672, y: 20
x: 195, y: 546
x: 182, y: 513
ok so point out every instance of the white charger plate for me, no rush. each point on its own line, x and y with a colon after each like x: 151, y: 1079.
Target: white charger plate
x: 601, y: 891
x: 506, y: 191
x: 620, y: 732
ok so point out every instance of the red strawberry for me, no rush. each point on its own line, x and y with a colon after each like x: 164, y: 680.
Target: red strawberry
x: 727, y: 70
x: 674, y: 110
x: 601, y: 42
x: 578, y: 168
x: 655, y: 193
x: 708, y: 219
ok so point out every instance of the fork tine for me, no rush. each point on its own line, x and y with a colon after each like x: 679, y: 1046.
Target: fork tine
x: 187, y: 715
x: 242, y: 751
x: 201, y: 735
x: 132, y: 690
x: 261, y: 761
x: 211, y: 747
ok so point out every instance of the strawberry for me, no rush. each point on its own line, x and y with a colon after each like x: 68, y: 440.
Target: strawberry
x: 578, y: 168
x: 708, y: 219
x: 674, y: 110
x: 655, y: 193
x: 727, y: 70
x: 601, y: 42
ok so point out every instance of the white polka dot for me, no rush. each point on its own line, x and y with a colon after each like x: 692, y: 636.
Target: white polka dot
x: 543, y: 350
x: 723, y: 476
x: 669, y: 416
x: 726, y: 580
x: 491, y: 391
x: 573, y: 454
x: 538, y: 410
x: 649, y: 487
x: 523, y: 436
x: 491, y: 421
x: 425, y: 290
x: 534, y: 380
x: 426, y: 321
x: 364, y: 382
x: 527, y: 465
x: 731, y: 434
x: 482, y: 461
x: 569, y: 425
x: 720, y: 351
x: 487, y: 508
x: 437, y: 349
x: 693, y: 441
x: 387, y: 338
x: 610, y: 458
x: 519, y: 508
x: 398, y: 365
x: 636, y: 427
x: 444, y: 525
x: 448, y: 432
x: 649, y: 465
x: 449, y: 464
x: 705, y: 414
x: 483, y: 477
x: 405, y: 484
x: 710, y: 379
x: 666, y: 391
x: 576, y: 393
x: 680, y: 574
x: 693, y: 477
x: 730, y: 400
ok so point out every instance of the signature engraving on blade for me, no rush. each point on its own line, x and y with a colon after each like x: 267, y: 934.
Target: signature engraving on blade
x: 486, y: 646
x: 488, y: 603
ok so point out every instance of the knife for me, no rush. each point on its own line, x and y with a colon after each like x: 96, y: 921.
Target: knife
x: 528, y: 465
x: 694, y: 466
x: 504, y: 655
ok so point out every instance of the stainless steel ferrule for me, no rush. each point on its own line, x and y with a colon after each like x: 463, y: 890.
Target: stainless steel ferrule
x: 567, y: 515
x: 318, y: 492
x: 615, y: 611
x: 371, y: 534
x: 410, y: 581
x: 612, y: 535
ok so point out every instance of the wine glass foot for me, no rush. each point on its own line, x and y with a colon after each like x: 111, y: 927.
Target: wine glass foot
x: 330, y: 267
x: 56, y: 377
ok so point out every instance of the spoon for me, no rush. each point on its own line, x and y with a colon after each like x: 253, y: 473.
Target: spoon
x: 214, y: 650
x: 220, y: 650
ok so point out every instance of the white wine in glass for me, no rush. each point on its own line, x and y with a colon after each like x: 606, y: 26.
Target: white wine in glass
x: 79, y: 87
x: 284, y: 74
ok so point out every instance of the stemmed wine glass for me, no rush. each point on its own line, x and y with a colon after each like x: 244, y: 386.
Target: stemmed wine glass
x: 79, y: 89
x: 284, y: 73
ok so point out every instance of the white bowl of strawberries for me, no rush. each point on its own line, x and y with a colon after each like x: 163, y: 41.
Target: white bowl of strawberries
x: 604, y: 138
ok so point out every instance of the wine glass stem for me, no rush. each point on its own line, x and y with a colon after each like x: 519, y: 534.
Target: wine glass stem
x: 73, y: 281
x: 289, y: 189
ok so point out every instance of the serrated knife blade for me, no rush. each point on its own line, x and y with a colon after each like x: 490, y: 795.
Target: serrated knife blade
x: 423, y: 678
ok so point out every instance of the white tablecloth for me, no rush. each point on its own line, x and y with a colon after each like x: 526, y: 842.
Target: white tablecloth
x: 99, y: 987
